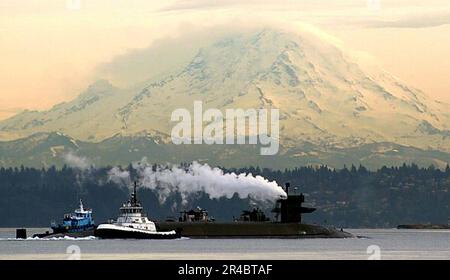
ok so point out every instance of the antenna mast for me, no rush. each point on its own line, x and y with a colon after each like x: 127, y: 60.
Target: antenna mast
x: 135, y: 193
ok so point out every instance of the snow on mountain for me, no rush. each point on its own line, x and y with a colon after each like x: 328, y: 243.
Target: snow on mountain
x: 325, y: 98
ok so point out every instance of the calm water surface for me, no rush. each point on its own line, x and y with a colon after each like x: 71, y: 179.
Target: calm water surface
x: 392, y: 244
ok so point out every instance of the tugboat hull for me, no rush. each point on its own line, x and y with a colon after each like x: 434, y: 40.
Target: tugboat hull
x: 77, y: 225
x: 120, y: 232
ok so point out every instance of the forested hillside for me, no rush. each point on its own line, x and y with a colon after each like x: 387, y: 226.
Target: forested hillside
x: 350, y: 197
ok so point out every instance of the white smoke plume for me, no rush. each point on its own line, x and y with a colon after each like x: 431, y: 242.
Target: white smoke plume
x: 119, y: 176
x: 200, y: 178
x: 76, y: 161
x: 80, y: 164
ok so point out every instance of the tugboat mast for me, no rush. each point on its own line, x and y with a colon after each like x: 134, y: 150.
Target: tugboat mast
x: 81, y: 206
x: 134, y: 198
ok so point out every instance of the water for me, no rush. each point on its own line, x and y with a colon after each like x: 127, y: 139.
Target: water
x: 392, y: 244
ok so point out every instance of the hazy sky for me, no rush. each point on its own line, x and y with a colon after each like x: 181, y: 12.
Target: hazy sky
x: 51, y: 49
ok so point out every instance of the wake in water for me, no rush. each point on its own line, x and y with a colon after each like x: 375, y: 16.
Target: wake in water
x: 65, y: 238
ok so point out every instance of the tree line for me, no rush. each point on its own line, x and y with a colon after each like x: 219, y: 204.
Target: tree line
x: 348, y: 197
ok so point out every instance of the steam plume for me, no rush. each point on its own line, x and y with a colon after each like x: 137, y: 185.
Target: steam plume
x: 75, y: 161
x: 200, y: 178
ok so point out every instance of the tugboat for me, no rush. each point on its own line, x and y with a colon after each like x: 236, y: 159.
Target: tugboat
x: 133, y: 224
x: 78, y: 224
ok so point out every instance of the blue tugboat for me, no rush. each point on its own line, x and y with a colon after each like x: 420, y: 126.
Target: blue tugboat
x: 78, y: 224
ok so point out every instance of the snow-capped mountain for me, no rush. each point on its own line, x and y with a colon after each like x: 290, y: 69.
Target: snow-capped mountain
x: 325, y: 98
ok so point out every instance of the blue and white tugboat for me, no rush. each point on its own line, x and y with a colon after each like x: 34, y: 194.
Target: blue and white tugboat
x: 132, y: 223
x: 78, y: 224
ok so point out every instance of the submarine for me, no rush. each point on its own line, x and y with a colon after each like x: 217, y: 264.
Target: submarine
x: 253, y: 223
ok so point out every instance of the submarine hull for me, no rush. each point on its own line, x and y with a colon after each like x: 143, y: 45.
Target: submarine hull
x: 76, y: 234
x: 250, y: 230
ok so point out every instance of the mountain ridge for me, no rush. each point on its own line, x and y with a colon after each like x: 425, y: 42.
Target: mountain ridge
x: 47, y: 149
x: 324, y: 98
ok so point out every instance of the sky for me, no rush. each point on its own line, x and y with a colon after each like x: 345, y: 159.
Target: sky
x: 52, y: 49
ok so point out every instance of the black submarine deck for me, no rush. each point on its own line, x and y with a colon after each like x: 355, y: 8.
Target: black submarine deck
x: 251, y: 230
